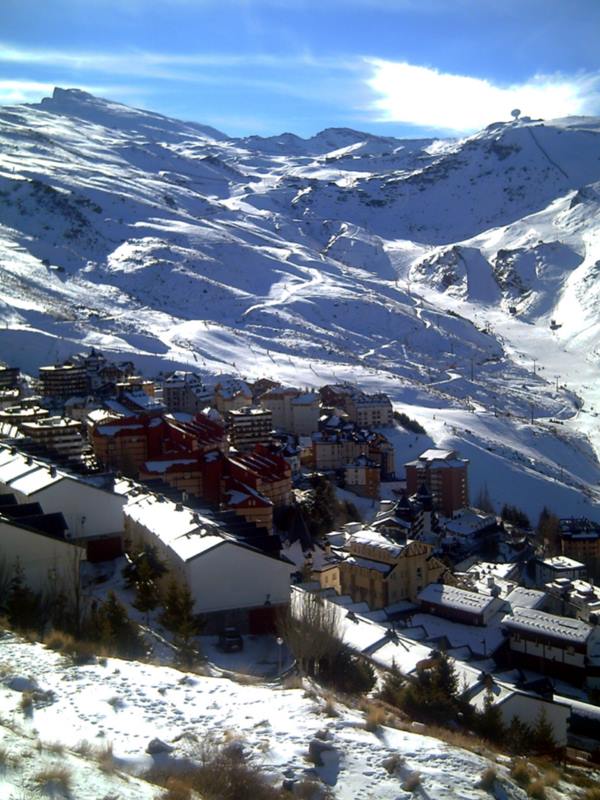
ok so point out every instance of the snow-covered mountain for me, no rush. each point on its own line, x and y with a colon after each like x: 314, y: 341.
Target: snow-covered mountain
x: 430, y: 269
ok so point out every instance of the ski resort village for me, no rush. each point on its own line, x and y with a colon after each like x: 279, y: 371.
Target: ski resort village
x: 247, y: 511
x: 299, y: 460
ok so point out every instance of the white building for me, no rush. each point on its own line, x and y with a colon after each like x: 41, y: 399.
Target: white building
x: 305, y: 413
x: 557, y: 646
x: 38, y: 555
x: 226, y: 577
x: 552, y: 569
x: 90, y: 511
x: 293, y: 411
x: 526, y: 707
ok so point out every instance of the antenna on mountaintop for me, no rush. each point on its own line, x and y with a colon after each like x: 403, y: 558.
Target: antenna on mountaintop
x: 515, y: 113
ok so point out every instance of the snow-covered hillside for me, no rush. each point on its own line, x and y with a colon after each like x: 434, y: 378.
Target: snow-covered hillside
x: 99, y: 728
x: 427, y: 269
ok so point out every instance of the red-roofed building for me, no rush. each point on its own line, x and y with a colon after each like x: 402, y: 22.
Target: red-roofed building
x: 249, y: 504
x: 263, y: 471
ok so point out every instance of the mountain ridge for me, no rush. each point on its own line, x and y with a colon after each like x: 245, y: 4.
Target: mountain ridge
x: 429, y: 271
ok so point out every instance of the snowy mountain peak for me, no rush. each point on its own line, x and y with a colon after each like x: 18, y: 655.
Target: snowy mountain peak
x: 99, y: 111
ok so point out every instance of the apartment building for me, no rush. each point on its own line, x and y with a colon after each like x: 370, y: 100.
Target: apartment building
x: 445, y: 476
x: 363, y: 477
x: 249, y: 426
x: 186, y: 392
x: 63, y: 381
x: 60, y: 436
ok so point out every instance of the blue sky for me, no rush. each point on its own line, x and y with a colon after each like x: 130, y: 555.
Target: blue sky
x: 396, y: 67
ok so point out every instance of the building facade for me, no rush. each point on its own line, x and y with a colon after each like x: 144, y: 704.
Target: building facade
x: 445, y: 476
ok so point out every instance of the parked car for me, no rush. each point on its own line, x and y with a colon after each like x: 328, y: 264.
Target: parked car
x: 230, y: 640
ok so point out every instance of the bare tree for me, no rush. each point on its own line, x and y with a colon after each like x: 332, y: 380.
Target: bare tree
x: 311, y: 628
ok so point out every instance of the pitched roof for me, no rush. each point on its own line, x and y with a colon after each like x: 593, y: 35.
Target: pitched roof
x: 529, y: 620
x: 458, y: 599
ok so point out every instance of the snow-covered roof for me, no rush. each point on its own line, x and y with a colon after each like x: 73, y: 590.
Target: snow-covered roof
x: 32, y: 482
x: 440, y: 459
x: 184, y: 531
x: 453, y: 597
x: 100, y: 414
x: 525, y: 598
x: 24, y: 474
x: 117, y: 407
x: 166, y: 464
x: 468, y: 522
x: 371, y: 538
x: 405, y: 654
x: 367, y: 563
x: 490, y: 568
x: 250, y: 411
x: 436, y: 455
x: 143, y: 400
x: 529, y: 620
x: 562, y: 563
x: 483, y: 640
x: 113, y: 430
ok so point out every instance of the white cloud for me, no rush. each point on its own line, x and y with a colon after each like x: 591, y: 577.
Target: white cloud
x: 149, y: 63
x: 23, y: 91
x: 429, y: 98
x: 27, y: 91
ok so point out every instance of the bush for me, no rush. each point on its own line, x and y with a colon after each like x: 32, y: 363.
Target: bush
x: 54, y: 779
x: 375, y: 717
x: 488, y: 723
x: 537, y: 790
x: 348, y: 673
x: 543, y: 735
x: 312, y: 632
x: 521, y: 772
x: 518, y: 736
x: 488, y: 779
x: 393, y: 763
x: 222, y: 774
x: 412, y: 782
x: 23, y: 606
x: 178, y: 616
x: 408, y: 423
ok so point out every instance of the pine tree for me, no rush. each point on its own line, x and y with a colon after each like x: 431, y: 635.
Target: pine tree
x: 116, y: 630
x: 489, y: 721
x: 444, y: 677
x: 393, y: 683
x: 146, y: 592
x: 22, y: 604
x: 171, y: 607
x: 518, y: 737
x: 188, y: 626
x: 543, y: 740
x: 143, y: 557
